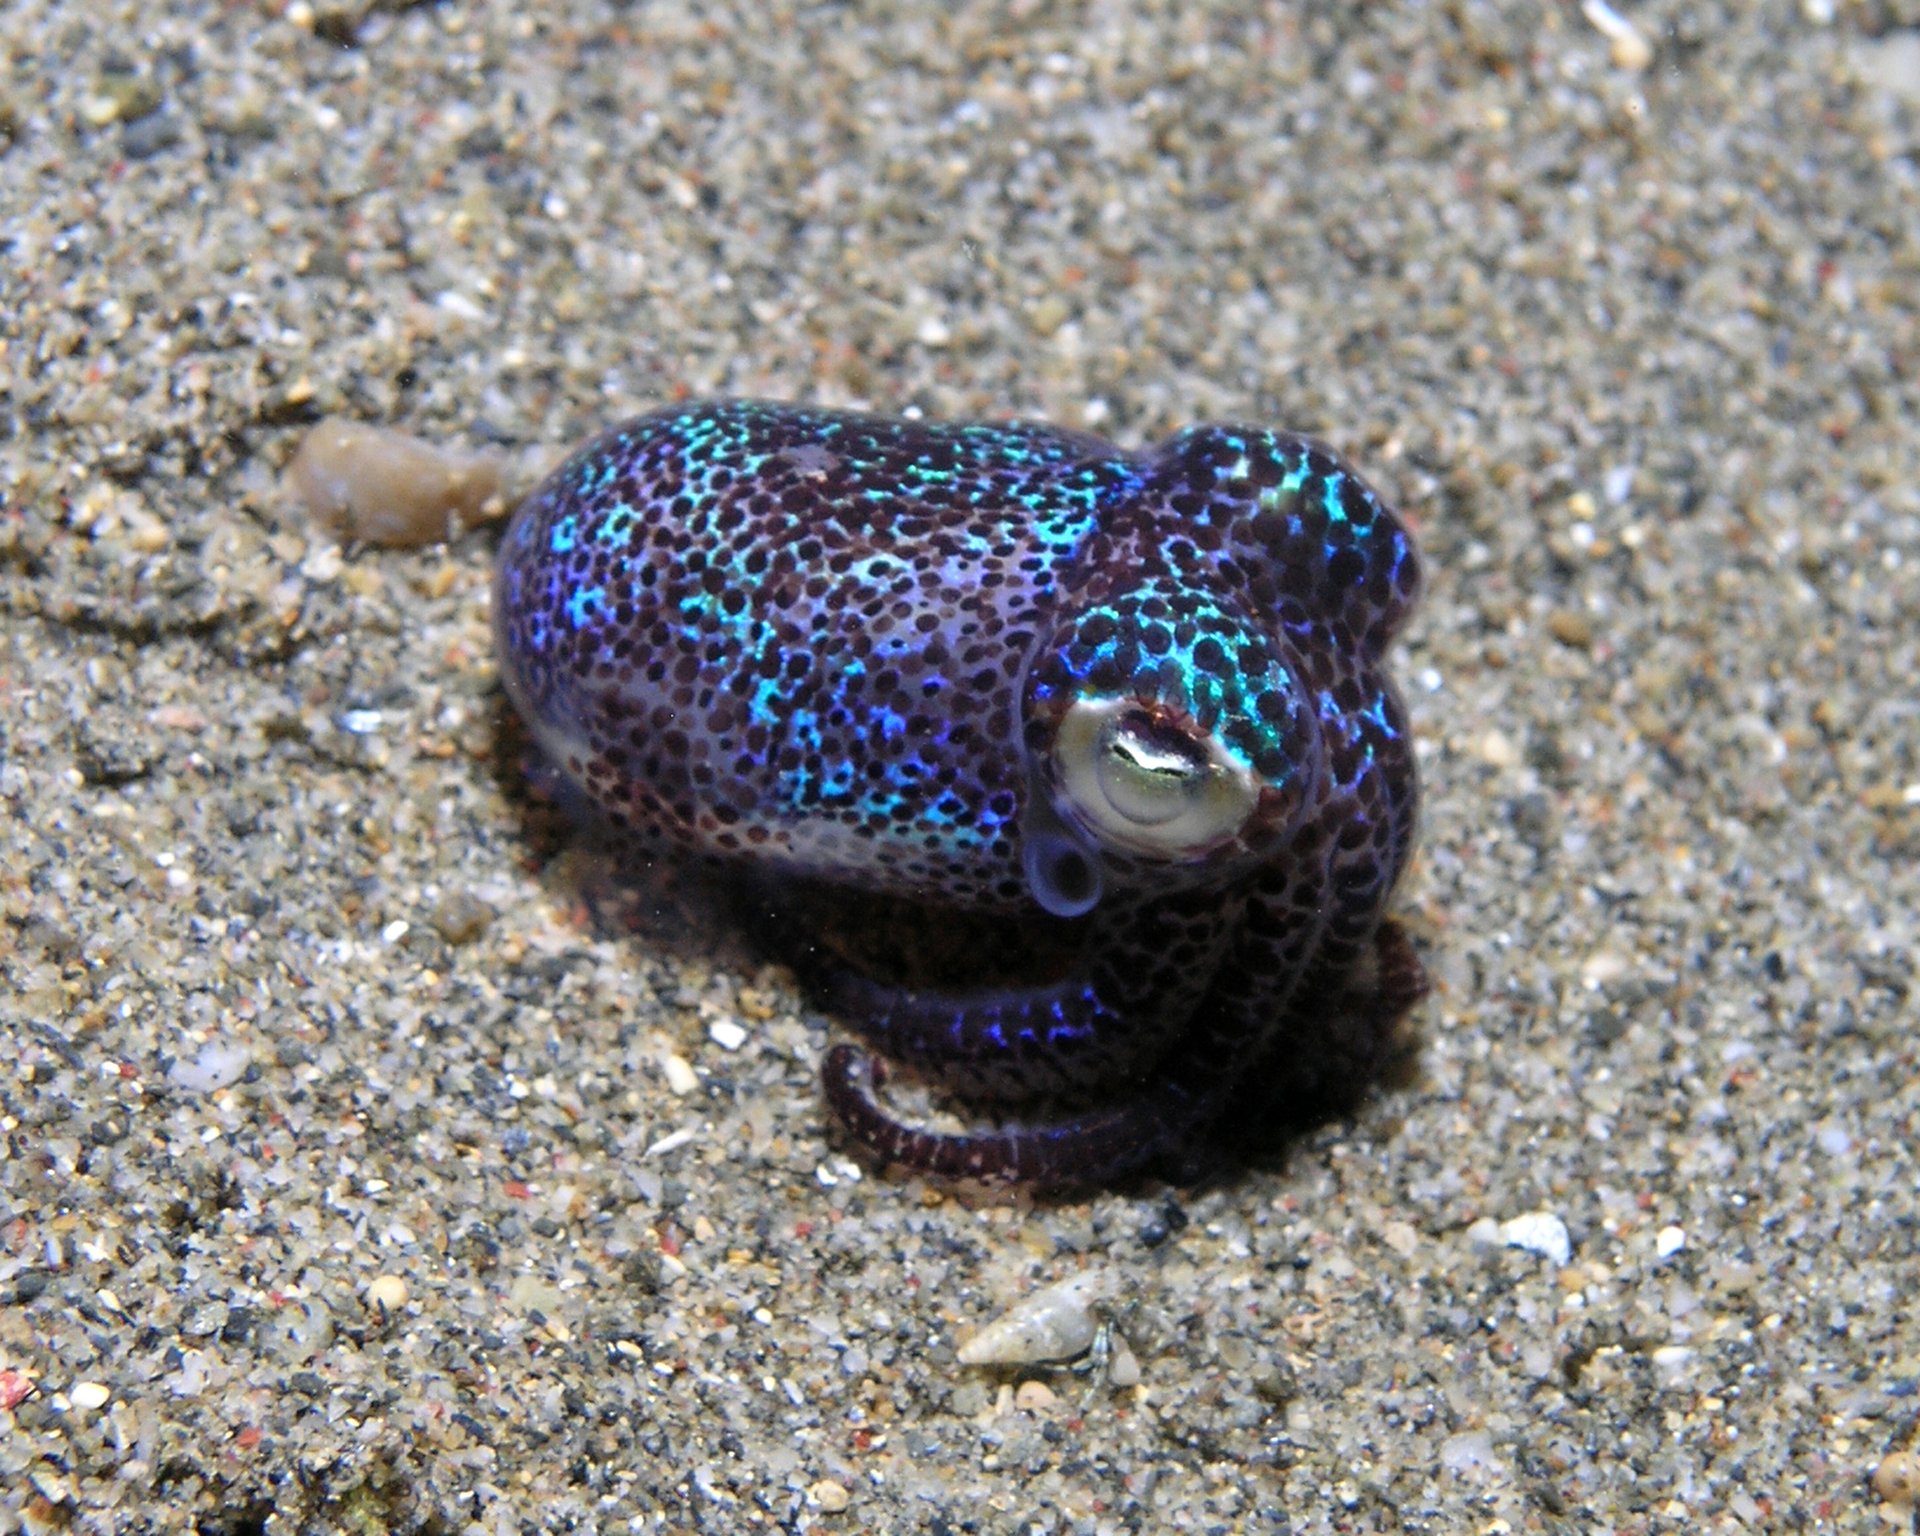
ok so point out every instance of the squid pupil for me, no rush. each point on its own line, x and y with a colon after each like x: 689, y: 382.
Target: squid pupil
x: 1151, y: 747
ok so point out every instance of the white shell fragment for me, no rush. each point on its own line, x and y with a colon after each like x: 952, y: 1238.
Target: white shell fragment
x: 383, y: 487
x: 1057, y: 1322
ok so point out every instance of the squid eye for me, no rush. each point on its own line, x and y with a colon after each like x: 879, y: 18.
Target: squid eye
x: 1149, y: 784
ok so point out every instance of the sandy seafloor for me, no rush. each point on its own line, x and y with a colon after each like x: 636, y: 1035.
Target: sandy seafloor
x: 302, y: 992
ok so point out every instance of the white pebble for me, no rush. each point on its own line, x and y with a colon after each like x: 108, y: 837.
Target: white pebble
x: 387, y: 1293
x: 726, y: 1034
x: 1057, y: 1322
x: 90, y: 1396
x: 681, y: 1078
x: 1603, y: 966
x: 456, y: 303
x: 840, y: 1171
x: 1539, y: 1232
x: 1497, y: 750
x: 219, y: 1065
x: 1668, y: 1241
x: 323, y: 564
x: 1469, y: 1451
x: 673, y: 1141
x: 832, y: 1497
x: 190, y: 1380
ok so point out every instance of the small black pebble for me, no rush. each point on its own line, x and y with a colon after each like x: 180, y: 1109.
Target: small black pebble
x: 642, y: 1270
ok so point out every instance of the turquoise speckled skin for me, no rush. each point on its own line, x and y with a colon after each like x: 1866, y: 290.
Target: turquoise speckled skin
x: 1128, y: 708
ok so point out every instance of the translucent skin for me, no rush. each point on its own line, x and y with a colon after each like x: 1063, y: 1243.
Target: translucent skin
x: 835, y: 651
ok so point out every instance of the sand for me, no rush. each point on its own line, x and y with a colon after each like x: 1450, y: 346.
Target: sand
x: 363, y: 1169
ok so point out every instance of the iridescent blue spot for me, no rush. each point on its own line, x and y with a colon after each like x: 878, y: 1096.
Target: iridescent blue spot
x: 584, y: 604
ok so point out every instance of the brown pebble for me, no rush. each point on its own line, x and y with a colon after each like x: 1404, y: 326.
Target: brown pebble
x: 1570, y: 628
x: 1034, y: 1397
x: 1897, y: 1479
x: 383, y: 487
x: 461, y: 917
